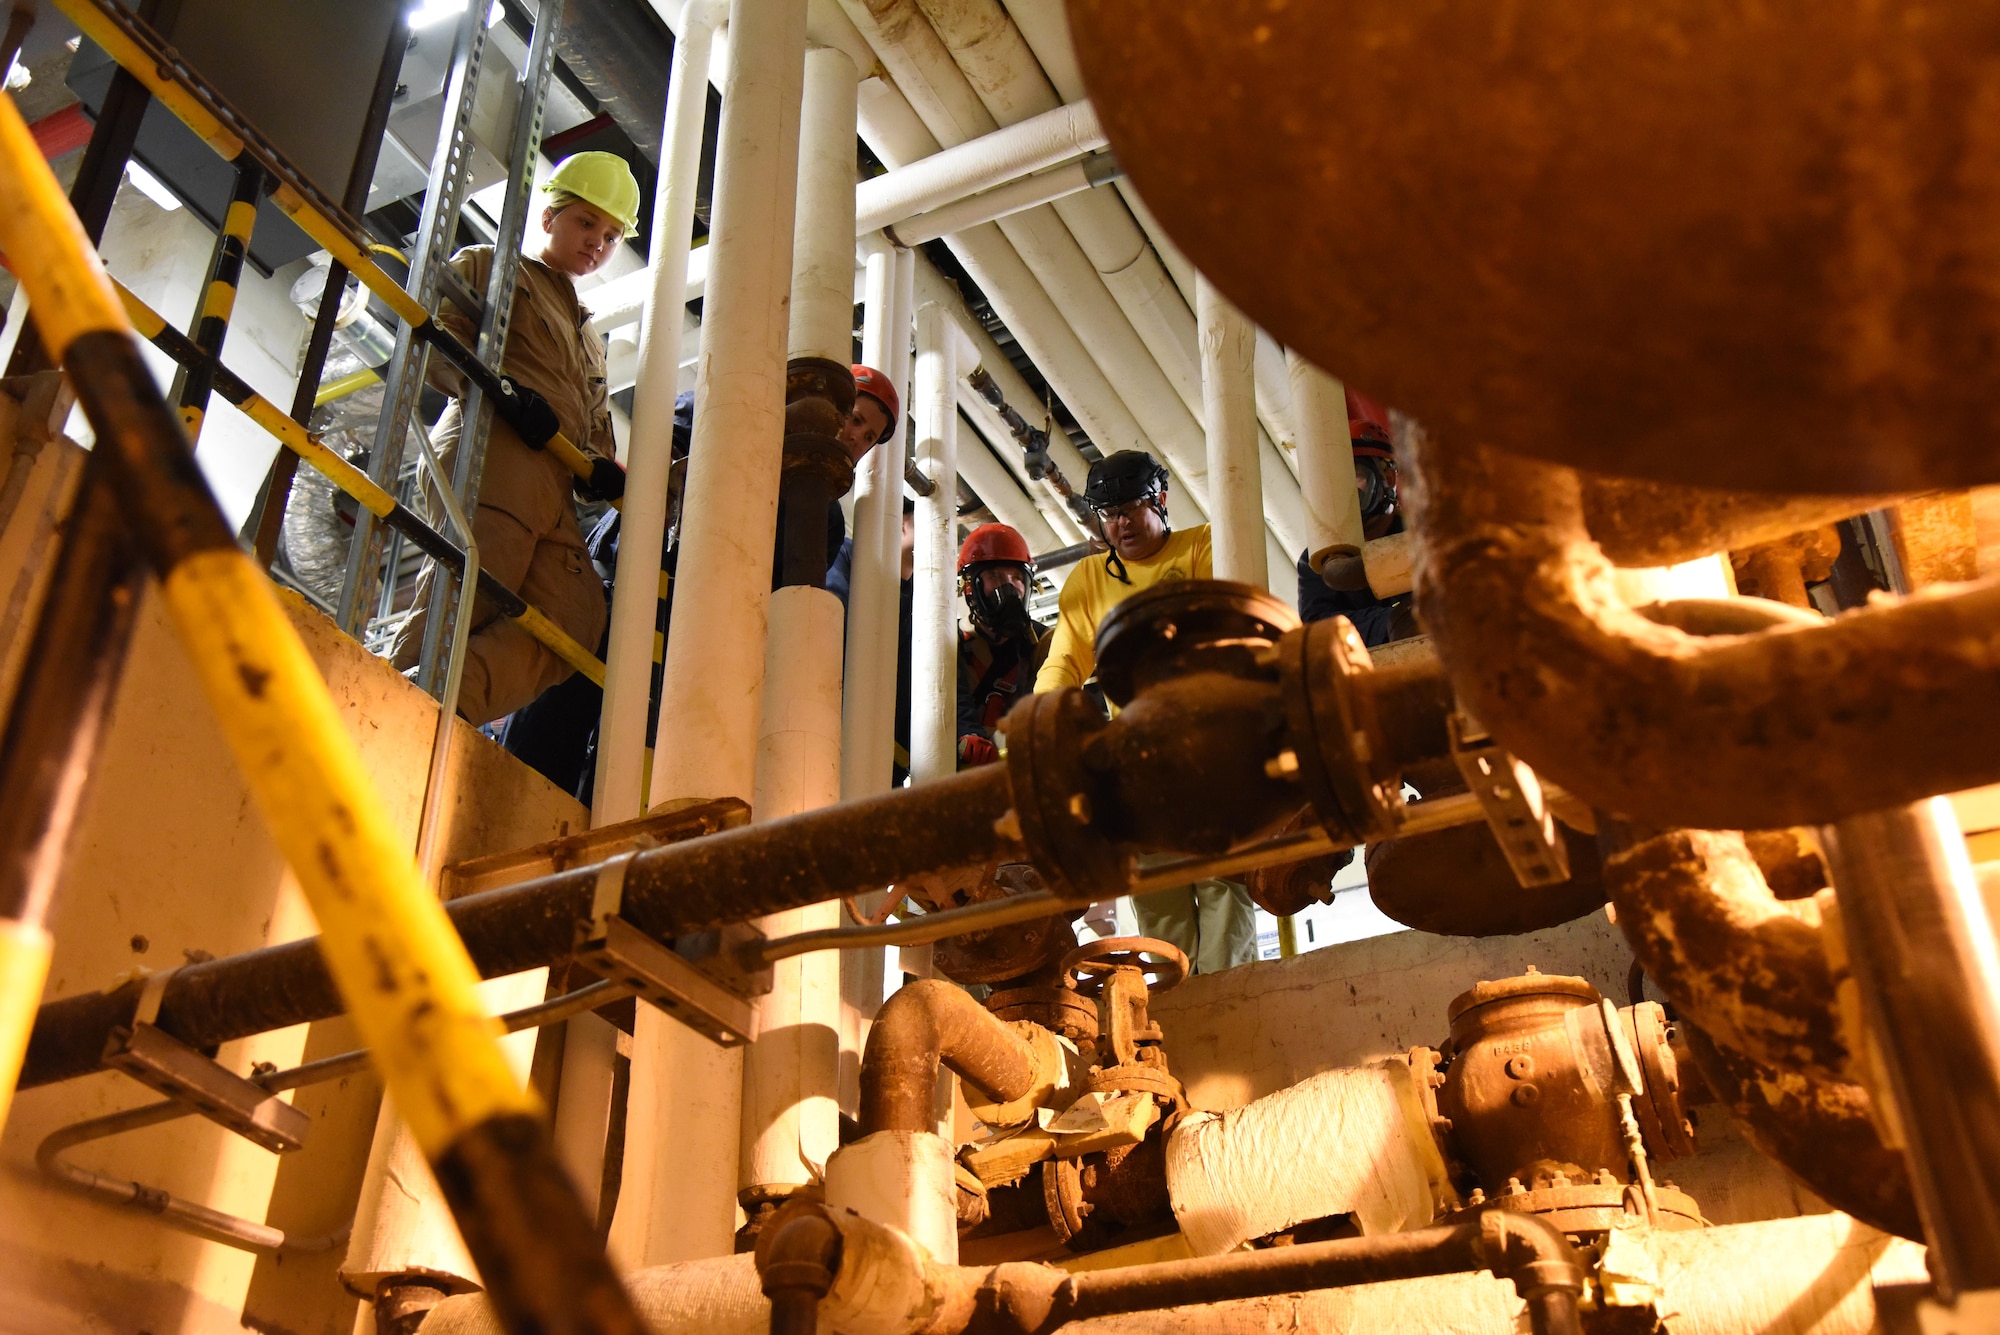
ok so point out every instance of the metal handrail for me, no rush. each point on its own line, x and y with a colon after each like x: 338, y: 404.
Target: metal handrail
x: 355, y: 483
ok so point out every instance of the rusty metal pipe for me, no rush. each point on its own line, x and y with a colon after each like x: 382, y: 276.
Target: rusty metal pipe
x: 927, y: 1024
x: 1034, y: 1300
x: 685, y: 887
x: 1794, y: 725
x: 1822, y: 1132
x: 797, y: 1259
x: 1639, y: 523
x: 1742, y: 964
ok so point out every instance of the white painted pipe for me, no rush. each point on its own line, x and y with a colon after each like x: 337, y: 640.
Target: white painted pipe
x: 1004, y: 201
x: 683, y: 1128
x: 1274, y: 394
x: 953, y: 112
x: 932, y: 286
x: 871, y: 637
x: 1229, y: 401
x: 1009, y: 82
x: 934, y: 621
x: 628, y: 660
x: 1326, y: 463
x: 901, y: 365
x: 707, y: 739
x: 791, y: 1073
x: 987, y: 476
x: 978, y: 164
x: 1389, y: 563
x: 823, y: 238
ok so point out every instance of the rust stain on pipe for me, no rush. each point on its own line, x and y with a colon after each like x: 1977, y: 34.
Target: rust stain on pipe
x: 1639, y: 523
x: 1795, y: 725
x: 927, y: 1024
x: 1744, y: 965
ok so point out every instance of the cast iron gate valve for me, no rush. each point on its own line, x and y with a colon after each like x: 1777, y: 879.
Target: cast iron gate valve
x: 1229, y: 713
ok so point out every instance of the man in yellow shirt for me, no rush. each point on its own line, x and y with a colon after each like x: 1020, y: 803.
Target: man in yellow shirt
x: 1213, y: 921
x: 1129, y: 492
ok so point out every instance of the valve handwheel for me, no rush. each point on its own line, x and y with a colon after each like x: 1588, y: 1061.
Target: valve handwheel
x: 1163, y: 962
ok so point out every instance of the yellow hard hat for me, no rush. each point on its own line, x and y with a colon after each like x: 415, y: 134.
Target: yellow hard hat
x: 602, y: 179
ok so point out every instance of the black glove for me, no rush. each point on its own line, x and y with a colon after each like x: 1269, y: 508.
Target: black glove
x: 533, y: 420
x: 605, y: 483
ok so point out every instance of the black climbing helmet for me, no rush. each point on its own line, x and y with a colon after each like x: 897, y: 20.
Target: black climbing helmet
x: 1128, y: 475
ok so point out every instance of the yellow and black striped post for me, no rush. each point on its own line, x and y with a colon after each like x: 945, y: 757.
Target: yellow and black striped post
x: 218, y: 295
x: 405, y: 976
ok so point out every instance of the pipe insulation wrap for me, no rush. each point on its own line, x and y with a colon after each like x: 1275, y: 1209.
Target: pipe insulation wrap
x: 791, y: 1073
x: 1350, y: 1142
x: 883, y: 1288
x: 979, y: 164
x: 903, y: 1179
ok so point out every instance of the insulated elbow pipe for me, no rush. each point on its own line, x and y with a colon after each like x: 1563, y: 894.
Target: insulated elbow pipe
x: 1639, y: 523
x: 1795, y: 725
x: 929, y: 1024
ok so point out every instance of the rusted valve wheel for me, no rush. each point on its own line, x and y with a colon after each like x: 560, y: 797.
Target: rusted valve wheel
x: 1091, y: 963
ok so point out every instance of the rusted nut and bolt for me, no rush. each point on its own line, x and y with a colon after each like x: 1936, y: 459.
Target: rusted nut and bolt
x: 1521, y: 1067
x: 1526, y: 1096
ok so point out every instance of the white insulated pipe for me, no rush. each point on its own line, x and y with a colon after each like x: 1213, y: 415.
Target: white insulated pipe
x: 1008, y: 80
x: 791, y: 1072
x: 871, y: 636
x: 1326, y: 463
x: 1004, y: 201
x: 1229, y: 404
x: 902, y: 357
x: 823, y: 238
x: 628, y: 659
x: 707, y: 742
x: 932, y: 286
x: 979, y: 164
x: 934, y: 620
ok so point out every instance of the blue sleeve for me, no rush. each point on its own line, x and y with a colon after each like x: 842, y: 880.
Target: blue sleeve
x: 840, y: 575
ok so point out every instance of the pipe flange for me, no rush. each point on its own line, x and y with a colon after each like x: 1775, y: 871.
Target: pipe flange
x: 1139, y: 1078
x: 1320, y: 667
x: 1056, y: 1008
x: 1046, y: 738
x: 1166, y: 630
x: 1590, y: 1207
x: 820, y: 378
x: 820, y: 457
x: 1062, y: 1196
x: 1668, y: 1132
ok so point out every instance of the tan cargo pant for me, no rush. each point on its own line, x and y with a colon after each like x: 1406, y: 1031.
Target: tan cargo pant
x: 1213, y: 921
x: 539, y: 555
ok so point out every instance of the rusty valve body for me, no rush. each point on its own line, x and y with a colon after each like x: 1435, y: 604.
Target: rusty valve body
x: 1531, y: 1091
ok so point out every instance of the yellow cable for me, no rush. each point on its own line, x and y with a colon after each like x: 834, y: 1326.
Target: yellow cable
x: 405, y: 975
x: 24, y: 967
x: 408, y: 983
x: 352, y: 383
x: 40, y: 236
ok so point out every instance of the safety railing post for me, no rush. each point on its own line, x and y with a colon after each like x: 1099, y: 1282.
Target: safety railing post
x: 218, y: 295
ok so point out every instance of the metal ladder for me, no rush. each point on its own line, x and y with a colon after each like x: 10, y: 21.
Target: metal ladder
x: 377, y: 554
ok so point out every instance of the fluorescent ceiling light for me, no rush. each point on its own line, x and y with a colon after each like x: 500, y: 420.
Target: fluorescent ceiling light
x: 432, y: 12
x: 151, y: 187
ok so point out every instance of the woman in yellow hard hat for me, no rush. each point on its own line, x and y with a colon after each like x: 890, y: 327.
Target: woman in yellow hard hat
x: 526, y: 520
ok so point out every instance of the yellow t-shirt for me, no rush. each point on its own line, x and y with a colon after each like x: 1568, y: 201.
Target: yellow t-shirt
x: 1092, y: 591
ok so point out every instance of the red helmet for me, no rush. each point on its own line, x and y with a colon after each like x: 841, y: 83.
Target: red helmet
x: 1371, y: 439
x: 877, y: 386
x: 993, y: 542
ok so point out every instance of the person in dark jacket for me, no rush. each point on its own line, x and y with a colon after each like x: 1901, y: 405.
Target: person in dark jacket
x: 999, y: 656
x: 1379, y: 620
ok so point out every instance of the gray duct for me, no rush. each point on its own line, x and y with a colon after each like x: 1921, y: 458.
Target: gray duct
x: 621, y: 52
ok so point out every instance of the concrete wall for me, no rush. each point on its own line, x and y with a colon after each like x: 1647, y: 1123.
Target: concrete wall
x: 1236, y: 1036
x: 173, y: 858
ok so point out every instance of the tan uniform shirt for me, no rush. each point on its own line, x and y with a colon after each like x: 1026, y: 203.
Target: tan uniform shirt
x: 549, y: 350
